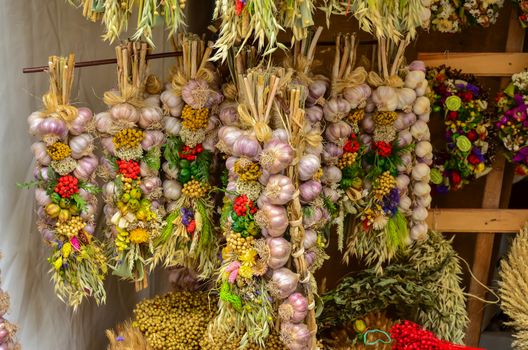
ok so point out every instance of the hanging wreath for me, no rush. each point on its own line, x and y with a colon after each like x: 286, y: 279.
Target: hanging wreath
x: 462, y: 103
x: 512, y: 123
x: 451, y: 16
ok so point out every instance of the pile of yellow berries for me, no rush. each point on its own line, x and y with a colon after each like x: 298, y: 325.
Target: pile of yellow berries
x: 356, y: 116
x: 225, y: 341
x: 238, y: 244
x: 59, y: 151
x: 71, y: 227
x: 385, y: 118
x: 346, y: 160
x: 247, y: 170
x: 194, y: 119
x: 175, y: 321
x: 122, y: 240
x: 128, y: 138
x: 194, y: 189
x: 384, y: 184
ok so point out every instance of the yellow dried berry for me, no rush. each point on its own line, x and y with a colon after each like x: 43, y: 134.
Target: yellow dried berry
x: 194, y: 119
x: 70, y: 227
x: 59, y: 151
x: 128, y: 138
x: 346, y: 160
x: 384, y: 184
x: 195, y: 189
x: 385, y: 118
x: 356, y: 115
x: 247, y: 170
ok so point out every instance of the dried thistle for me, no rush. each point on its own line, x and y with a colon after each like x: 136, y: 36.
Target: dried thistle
x: 514, y: 288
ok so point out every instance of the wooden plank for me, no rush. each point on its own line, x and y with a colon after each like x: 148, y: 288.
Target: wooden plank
x: 487, y: 64
x: 483, y: 252
x: 477, y: 220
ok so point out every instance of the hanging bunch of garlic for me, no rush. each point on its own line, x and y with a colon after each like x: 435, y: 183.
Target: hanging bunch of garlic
x: 191, y: 123
x: 132, y: 140
x: 343, y: 150
x: 419, y: 192
x: 254, y: 216
x: 66, y: 188
x: 8, y: 330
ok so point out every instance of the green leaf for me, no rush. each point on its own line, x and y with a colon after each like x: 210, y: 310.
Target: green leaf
x: 152, y: 158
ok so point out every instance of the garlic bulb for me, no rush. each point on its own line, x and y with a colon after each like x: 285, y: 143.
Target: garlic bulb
x: 385, y: 98
x: 276, y: 156
x: 149, y: 116
x: 296, y: 336
x: 285, y: 281
x: 420, y: 131
x: 81, y: 145
x: 227, y: 136
x: 423, y: 148
x: 368, y: 123
x: 273, y: 220
x: 170, y: 172
x: 79, y: 124
x: 414, y: 78
x: 406, y: 97
x: 42, y: 197
x: 336, y: 109
x: 404, y: 138
x: 331, y: 194
x: 419, y: 232
x: 40, y: 153
x: 53, y: 129
x: 172, y: 102
x: 310, y: 239
x: 421, y: 189
x: 422, y: 105
x: 228, y: 114
x: 125, y: 112
x: 419, y: 214
x: 419, y: 65
x: 332, y: 152
x: 310, y: 190
x: 279, y: 252
x: 405, y: 203
x: 280, y: 134
x: 294, y: 309
x: 308, y: 166
x: 108, y: 145
x: 152, y: 139
x: 420, y: 172
x: 314, y: 114
x: 279, y: 189
x: 86, y: 167
x: 34, y: 120
x: 247, y: 146
x: 338, y: 132
x: 331, y: 175
x: 171, y: 189
x: 357, y: 95
x: 149, y: 184
x: 103, y: 122
x: 402, y: 182
x: 317, y: 90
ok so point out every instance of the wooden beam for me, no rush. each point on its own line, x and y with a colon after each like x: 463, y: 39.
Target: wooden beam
x: 477, y: 220
x: 487, y: 64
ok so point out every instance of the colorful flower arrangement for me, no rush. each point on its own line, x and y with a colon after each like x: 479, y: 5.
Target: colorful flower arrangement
x: 462, y: 103
x: 132, y: 141
x: 65, y: 193
x: 523, y: 8
x: 188, y: 239
x: 512, y: 122
x: 451, y: 16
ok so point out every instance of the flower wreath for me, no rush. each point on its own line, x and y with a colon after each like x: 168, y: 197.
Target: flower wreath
x: 523, y: 9
x: 463, y: 103
x: 450, y: 16
x: 512, y: 123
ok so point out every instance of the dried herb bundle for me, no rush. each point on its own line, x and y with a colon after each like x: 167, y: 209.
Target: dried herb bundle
x: 514, y: 288
x: 423, y: 285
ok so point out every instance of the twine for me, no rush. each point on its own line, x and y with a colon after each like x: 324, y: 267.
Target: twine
x: 128, y: 95
x: 262, y: 129
x: 65, y: 113
x: 356, y: 77
x: 393, y: 81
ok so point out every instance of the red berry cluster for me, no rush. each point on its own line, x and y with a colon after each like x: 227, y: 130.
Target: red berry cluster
x: 352, y: 144
x: 242, y: 204
x: 67, y: 186
x: 383, y: 148
x: 129, y: 168
x: 466, y: 96
x: 190, y: 153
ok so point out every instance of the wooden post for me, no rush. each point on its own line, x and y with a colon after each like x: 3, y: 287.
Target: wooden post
x: 491, y: 200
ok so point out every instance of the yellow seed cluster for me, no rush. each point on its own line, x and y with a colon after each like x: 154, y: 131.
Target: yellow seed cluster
x: 71, y: 227
x: 356, y: 116
x: 195, y: 119
x: 122, y: 240
x: 318, y: 174
x: 175, y: 321
x: 194, y: 189
x: 346, y: 160
x: 128, y: 138
x: 238, y: 244
x: 385, y: 118
x: 247, y: 170
x: 226, y: 341
x: 59, y: 151
x: 139, y: 235
x: 384, y: 184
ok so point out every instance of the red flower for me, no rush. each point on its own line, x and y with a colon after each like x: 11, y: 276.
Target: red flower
x: 129, y: 169
x: 473, y: 159
x: 351, y: 145
x: 67, y: 186
x: 455, y: 178
x: 191, y: 227
x: 472, y: 135
x: 467, y: 96
x: 383, y: 148
x: 190, y: 153
x: 452, y: 115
